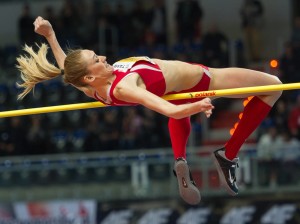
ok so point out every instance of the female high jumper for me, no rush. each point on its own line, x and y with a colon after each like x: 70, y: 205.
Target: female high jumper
x: 143, y: 81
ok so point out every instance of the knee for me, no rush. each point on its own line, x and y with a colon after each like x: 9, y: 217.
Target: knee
x: 277, y: 80
x: 278, y: 93
x: 272, y: 96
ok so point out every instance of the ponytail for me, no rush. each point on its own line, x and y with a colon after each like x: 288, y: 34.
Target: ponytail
x: 35, y: 68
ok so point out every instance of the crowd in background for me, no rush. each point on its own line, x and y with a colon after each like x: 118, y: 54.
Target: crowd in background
x: 78, y: 25
x: 140, y: 31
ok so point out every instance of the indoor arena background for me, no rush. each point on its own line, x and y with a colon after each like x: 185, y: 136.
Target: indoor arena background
x: 114, y: 165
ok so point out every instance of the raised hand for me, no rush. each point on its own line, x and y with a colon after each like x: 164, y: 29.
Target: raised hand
x: 43, y: 27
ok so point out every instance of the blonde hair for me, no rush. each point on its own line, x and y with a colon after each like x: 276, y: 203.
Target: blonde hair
x: 35, y: 68
x: 75, y: 68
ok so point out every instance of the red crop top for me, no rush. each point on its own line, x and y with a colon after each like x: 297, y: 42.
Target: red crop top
x: 147, y: 70
x: 153, y: 79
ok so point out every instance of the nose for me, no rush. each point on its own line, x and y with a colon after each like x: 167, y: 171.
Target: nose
x: 103, y: 58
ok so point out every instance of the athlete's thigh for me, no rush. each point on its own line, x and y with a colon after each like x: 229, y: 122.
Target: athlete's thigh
x: 227, y: 78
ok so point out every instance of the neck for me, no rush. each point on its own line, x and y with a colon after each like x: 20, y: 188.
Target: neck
x: 101, y: 86
x: 101, y: 90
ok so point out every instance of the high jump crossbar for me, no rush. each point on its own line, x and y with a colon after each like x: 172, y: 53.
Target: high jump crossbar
x: 170, y: 97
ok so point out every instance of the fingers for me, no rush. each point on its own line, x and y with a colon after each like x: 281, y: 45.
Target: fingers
x: 207, y: 107
x: 38, y: 21
x: 207, y: 100
x: 208, y: 113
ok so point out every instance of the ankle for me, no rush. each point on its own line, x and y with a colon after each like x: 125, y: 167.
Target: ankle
x: 223, y: 154
x: 180, y: 159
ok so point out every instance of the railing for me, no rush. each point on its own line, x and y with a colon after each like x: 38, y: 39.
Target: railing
x: 127, y: 175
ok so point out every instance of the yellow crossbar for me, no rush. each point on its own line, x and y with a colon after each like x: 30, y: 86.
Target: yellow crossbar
x: 179, y: 96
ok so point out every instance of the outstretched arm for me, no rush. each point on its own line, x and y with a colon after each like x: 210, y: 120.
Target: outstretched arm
x: 44, y: 28
x: 135, y: 94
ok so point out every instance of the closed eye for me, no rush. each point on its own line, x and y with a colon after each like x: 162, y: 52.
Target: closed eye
x: 96, y: 58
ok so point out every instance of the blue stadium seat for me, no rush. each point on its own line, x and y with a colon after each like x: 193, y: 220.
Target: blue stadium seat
x: 78, y: 138
x: 54, y: 90
x: 60, y: 138
x: 4, y: 94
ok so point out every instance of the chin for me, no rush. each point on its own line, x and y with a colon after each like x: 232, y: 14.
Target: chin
x: 110, y: 69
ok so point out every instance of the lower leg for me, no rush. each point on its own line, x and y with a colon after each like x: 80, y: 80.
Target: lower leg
x: 254, y: 113
x: 179, y: 133
x: 180, y: 130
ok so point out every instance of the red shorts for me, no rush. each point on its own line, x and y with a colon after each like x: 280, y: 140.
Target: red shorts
x: 202, y: 85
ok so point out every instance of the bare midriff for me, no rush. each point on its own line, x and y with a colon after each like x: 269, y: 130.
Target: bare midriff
x: 179, y: 75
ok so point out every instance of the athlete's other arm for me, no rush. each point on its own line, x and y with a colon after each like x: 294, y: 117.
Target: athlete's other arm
x: 44, y: 28
x: 129, y: 92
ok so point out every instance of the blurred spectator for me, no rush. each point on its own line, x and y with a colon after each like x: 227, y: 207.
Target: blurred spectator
x: 279, y: 115
x: 92, y: 141
x: 288, y: 65
x: 294, y: 119
x: 121, y: 19
x: 295, y: 41
x: 137, y: 18
x: 16, y: 136
x: 6, y: 145
x: 37, y: 137
x: 151, y: 131
x: 197, y: 129
x: 131, y: 128
x: 157, y: 20
x: 108, y: 32
x: 69, y: 19
x: 268, y: 146
x: 104, y: 11
x: 295, y: 36
x: 50, y: 15
x: 252, y: 12
x: 188, y: 19
x: 109, y: 133
x: 215, y: 47
x: 25, y: 27
x: 5, y: 95
x: 147, y: 45
x: 289, y: 156
x: 85, y: 27
x: 290, y: 148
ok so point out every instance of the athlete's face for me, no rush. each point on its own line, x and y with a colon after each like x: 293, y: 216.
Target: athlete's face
x: 97, y: 65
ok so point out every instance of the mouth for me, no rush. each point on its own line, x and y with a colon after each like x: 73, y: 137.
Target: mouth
x: 108, y: 66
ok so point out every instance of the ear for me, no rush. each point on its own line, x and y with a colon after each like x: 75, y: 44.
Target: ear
x: 88, y: 78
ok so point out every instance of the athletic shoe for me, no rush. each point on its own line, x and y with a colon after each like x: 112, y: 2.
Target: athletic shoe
x: 187, y: 187
x: 226, y: 170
